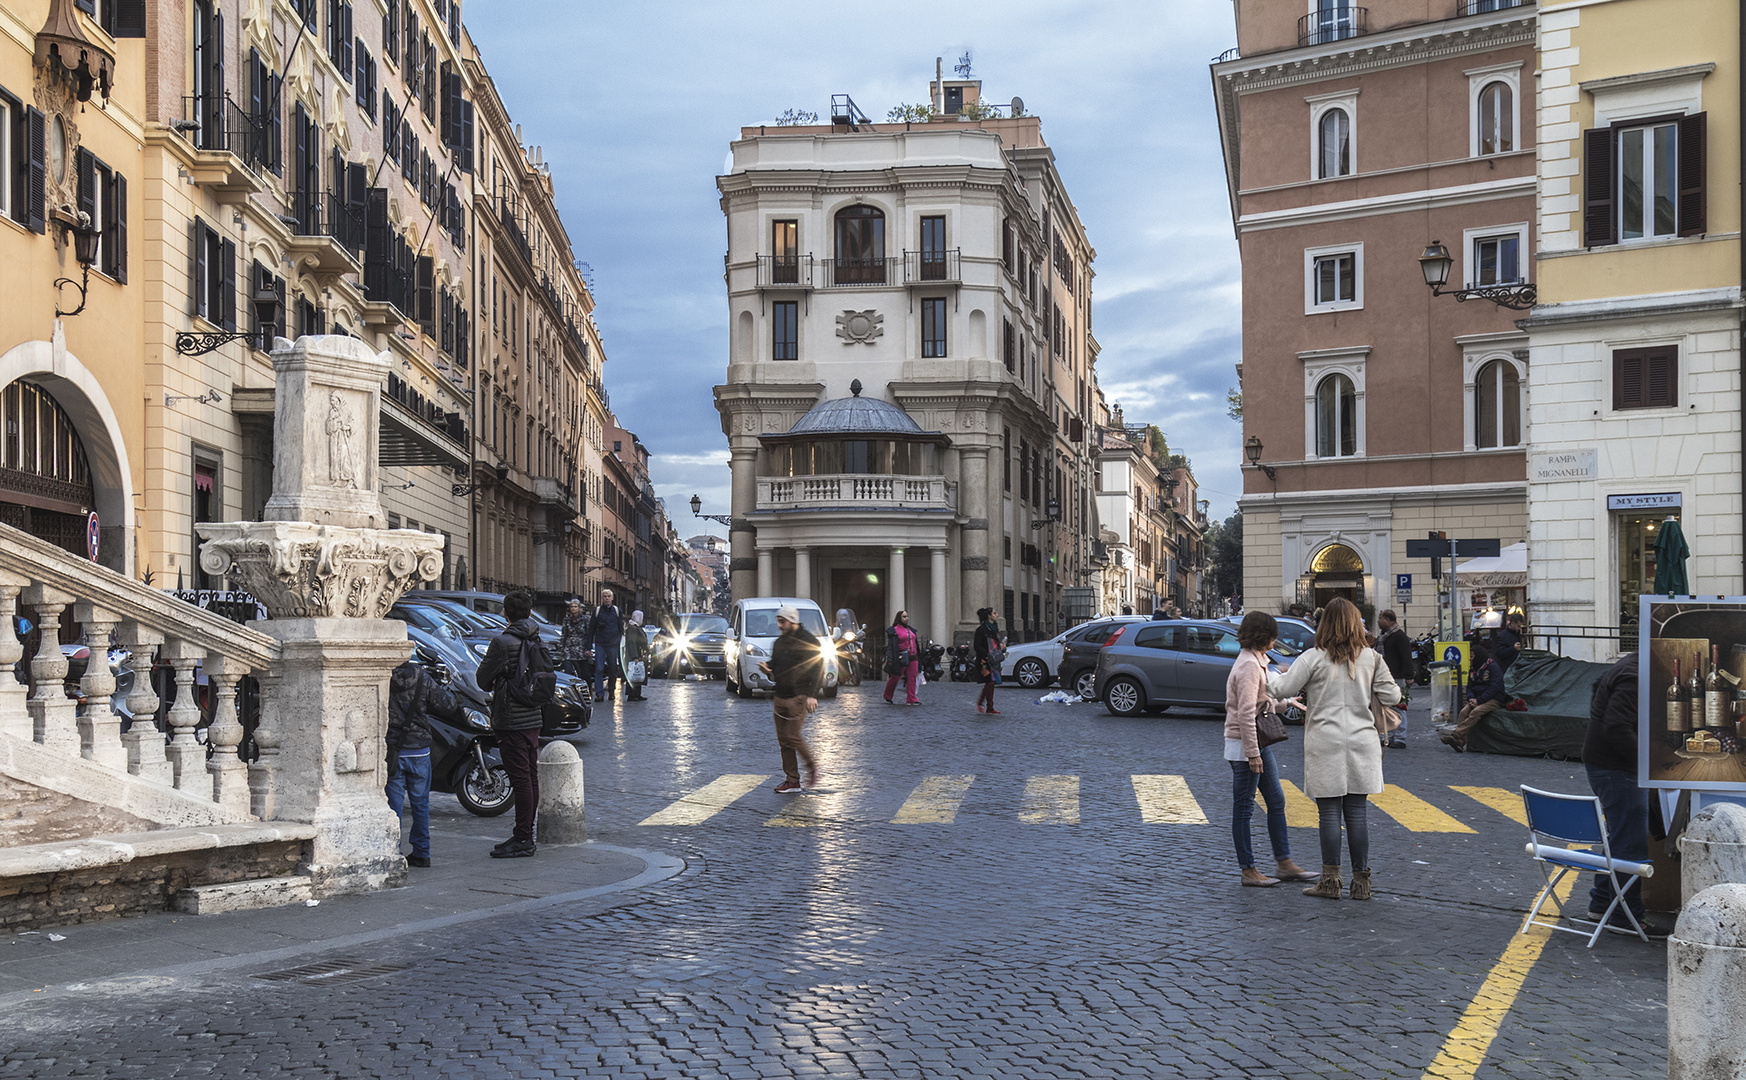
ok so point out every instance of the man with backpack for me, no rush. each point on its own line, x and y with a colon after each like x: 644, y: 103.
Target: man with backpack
x: 518, y: 674
x: 604, y: 637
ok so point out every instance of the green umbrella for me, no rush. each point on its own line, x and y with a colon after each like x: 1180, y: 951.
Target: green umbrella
x: 1670, y: 556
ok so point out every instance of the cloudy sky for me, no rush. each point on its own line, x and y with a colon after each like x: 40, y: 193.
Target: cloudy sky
x: 635, y: 104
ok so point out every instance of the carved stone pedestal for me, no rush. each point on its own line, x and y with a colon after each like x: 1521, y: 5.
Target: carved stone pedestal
x: 329, y: 702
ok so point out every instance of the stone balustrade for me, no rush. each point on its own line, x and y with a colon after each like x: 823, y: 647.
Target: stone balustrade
x: 52, y: 588
x: 856, y: 491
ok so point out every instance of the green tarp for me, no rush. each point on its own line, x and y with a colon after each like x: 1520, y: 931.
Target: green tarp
x: 1557, y: 691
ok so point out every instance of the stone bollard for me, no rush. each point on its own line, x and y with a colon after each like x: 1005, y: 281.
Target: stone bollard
x: 1706, y: 987
x: 562, y: 819
x: 1713, y: 850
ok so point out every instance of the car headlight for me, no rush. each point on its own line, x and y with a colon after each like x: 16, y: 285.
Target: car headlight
x: 756, y: 650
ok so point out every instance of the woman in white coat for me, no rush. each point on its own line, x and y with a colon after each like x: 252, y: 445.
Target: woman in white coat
x: 1342, y: 758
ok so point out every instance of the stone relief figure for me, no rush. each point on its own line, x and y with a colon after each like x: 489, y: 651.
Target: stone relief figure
x: 342, y: 465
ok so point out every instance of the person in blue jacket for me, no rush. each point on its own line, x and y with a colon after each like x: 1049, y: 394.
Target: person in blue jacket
x: 603, y: 639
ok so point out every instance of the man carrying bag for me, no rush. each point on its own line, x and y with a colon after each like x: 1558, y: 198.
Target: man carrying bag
x: 518, y: 674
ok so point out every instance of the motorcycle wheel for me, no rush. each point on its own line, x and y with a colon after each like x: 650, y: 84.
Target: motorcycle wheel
x: 485, y: 793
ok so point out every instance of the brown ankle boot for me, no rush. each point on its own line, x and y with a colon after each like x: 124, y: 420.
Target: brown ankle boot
x: 1329, y: 886
x: 1361, y: 885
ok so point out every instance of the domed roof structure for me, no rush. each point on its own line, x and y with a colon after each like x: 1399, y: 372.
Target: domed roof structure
x: 856, y: 415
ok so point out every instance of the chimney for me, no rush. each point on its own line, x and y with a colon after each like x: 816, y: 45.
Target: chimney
x: 939, y: 87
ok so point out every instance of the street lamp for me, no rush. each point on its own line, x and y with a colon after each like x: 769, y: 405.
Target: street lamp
x: 1252, y: 449
x: 266, y: 304
x: 697, y: 512
x: 1434, y: 263
x: 85, y: 240
x: 1054, y: 514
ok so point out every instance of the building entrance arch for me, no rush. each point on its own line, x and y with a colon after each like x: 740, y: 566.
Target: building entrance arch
x: 1335, y: 570
x: 75, y: 394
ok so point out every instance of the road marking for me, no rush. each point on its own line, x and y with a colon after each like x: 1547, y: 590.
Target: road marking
x: 1300, y: 809
x: 1166, y: 800
x: 1465, y: 1048
x: 1503, y: 800
x: 803, y: 812
x: 934, y: 801
x: 1051, y: 800
x: 1415, y: 813
x: 707, y: 801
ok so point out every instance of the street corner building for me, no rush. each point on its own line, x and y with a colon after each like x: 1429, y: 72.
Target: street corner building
x: 911, y: 394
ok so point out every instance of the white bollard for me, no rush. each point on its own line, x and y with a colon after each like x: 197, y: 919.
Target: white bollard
x: 562, y: 818
x: 1712, y: 850
x: 1706, y: 987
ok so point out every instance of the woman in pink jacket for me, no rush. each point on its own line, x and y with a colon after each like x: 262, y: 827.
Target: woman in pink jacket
x: 1252, y: 765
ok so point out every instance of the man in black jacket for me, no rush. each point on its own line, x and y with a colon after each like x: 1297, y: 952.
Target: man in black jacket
x: 1397, y: 653
x: 516, y: 723
x: 1485, y: 695
x: 412, y: 696
x: 1609, y: 754
x: 796, y: 665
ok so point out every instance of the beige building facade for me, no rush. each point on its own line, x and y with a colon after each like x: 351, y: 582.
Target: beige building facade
x: 1376, y: 411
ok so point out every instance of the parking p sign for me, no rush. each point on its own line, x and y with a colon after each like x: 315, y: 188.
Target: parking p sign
x: 1403, y: 583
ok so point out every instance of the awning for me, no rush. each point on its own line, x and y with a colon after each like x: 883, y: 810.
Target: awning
x: 1509, y: 570
x: 407, y: 440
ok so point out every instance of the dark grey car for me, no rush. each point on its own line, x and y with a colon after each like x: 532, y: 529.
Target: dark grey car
x: 1156, y: 664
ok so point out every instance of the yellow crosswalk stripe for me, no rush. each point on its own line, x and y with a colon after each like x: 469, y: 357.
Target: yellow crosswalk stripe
x: 707, y: 801
x: 1415, y: 813
x: 804, y: 812
x: 1051, y: 800
x: 1503, y: 800
x: 1166, y: 800
x: 1300, y: 809
x: 934, y: 801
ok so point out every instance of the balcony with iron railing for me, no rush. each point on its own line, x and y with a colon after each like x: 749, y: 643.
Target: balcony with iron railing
x: 234, y: 148
x: 1332, y: 24
x: 931, y: 267
x: 785, y: 271
x: 856, y: 491
x: 1482, y: 7
x: 326, y: 231
x: 847, y: 273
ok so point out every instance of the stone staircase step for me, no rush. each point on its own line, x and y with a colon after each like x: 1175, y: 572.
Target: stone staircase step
x: 243, y: 895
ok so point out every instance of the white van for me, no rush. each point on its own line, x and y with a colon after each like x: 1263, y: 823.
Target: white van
x: 751, y: 632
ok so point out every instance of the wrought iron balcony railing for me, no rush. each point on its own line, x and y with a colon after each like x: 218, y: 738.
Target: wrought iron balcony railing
x: 322, y: 213
x: 848, y: 272
x: 224, y: 125
x: 1480, y: 7
x: 1332, y: 24
x: 924, y: 267
x: 790, y: 271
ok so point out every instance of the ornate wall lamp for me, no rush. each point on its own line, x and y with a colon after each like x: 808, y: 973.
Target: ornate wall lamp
x: 1435, y: 263
x: 198, y: 342
x: 697, y: 508
x: 85, y: 240
x: 1252, y: 450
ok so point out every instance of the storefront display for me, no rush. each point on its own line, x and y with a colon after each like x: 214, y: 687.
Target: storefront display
x: 1691, y: 693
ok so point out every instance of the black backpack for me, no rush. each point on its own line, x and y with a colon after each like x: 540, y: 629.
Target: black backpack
x: 531, y: 687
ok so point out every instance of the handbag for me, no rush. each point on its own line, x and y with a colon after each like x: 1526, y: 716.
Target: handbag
x: 1269, y: 726
x: 1385, y: 717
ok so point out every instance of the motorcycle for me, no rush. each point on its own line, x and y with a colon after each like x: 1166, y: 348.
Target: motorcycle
x: 850, y: 665
x: 930, y: 661
x: 1424, y: 653
x: 963, y: 664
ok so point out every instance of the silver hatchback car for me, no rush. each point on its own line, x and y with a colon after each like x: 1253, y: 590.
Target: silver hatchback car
x: 1151, y: 665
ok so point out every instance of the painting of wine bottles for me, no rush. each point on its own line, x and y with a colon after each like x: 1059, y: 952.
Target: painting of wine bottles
x: 1691, y: 694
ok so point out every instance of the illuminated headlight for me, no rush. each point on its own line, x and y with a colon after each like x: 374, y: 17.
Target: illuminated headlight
x: 477, y: 719
x: 756, y: 650
x: 848, y: 638
x: 562, y: 693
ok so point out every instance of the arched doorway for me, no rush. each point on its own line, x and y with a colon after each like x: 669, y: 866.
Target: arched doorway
x: 1336, y: 570
x: 45, y: 477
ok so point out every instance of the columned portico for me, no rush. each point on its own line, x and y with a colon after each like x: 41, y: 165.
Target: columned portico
x: 939, y: 619
x: 802, y: 571
x: 894, y: 601
x: 766, y: 572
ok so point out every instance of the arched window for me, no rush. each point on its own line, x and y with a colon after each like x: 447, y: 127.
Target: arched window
x: 1336, y: 417
x: 860, y: 257
x: 1497, y: 406
x: 1334, y: 144
x: 1497, y: 119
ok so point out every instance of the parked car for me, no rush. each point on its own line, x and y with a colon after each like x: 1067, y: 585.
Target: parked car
x: 1295, y: 635
x: 1079, y: 654
x: 1033, y: 665
x: 694, y: 643
x: 1154, y: 665
x: 487, y: 602
x: 751, y: 632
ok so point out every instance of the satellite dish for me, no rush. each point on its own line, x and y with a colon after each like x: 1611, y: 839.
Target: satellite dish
x: 1018, y: 106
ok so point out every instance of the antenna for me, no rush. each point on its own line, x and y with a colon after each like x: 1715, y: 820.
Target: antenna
x: 963, y: 65
x: 1018, y: 106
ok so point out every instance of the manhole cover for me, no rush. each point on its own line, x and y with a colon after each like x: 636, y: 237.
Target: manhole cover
x: 331, y: 971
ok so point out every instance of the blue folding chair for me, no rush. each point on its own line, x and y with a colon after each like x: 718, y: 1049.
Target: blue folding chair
x: 1555, y: 820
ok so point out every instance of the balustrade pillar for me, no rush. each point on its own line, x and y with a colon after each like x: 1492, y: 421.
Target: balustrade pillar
x: 14, y: 715
x: 264, y: 771
x: 803, y: 572
x: 54, y: 715
x: 187, y: 756
x: 142, y: 740
x: 99, y: 726
x: 230, y: 778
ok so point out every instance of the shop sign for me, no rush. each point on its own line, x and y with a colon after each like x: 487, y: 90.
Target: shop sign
x: 1665, y: 501
x: 1552, y: 466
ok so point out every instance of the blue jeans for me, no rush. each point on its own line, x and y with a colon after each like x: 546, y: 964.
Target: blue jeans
x: 606, y: 672
x: 412, y: 785
x: 1243, y: 786
x: 1627, y: 813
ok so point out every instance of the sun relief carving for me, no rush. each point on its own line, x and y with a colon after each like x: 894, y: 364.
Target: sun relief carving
x: 860, y: 327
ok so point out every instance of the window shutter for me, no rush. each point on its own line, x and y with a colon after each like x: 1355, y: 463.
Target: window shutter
x: 1693, y: 216
x: 426, y: 301
x: 217, y: 90
x: 280, y: 326
x: 115, y: 224
x: 1661, y: 380
x: 130, y: 18
x: 361, y: 86
x: 257, y: 109
x: 197, y: 267
x: 299, y: 159
x: 462, y: 342
x: 345, y: 37
x: 89, y: 7
x: 1627, y: 380
x: 275, y: 122
x: 467, y: 136
x: 357, y: 195
x: 1597, y: 187
x: 447, y: 338
x: 227, y: 284
x: 36, y: 171
x: 87, y: 172
x: 378, y: 254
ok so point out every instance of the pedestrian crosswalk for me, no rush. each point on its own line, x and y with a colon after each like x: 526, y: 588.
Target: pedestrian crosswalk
x: 1055, y: 799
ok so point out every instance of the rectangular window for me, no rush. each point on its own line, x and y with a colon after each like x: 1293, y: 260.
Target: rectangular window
x: 264, y: 280
x: 1645, y: 181
x: 1646, y: 378
x: 1497, y: 260
x: 11, y: 117
x: 1006, y: 467
x: 1647, y: 184
x: 212, y: 275
x: 785, y: 330
x: 933, y: 249
x: 1336, y: 279
x: 934, y: 327
x: 1008, y: 351
x: 366, y: 79
x: 784, y: 253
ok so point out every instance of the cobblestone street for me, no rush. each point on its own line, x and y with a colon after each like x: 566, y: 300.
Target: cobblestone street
x: 1010, y: 896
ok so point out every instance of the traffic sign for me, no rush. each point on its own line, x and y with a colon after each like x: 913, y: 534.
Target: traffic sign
x: 1403, y: 583
x: 1466, y: 549
x: 1403, y: 597
x: 93, y: 535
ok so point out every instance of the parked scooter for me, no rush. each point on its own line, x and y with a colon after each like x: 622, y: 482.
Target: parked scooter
x: 930, y: 661
x: 1424, y: 649
x: 963, y: 664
